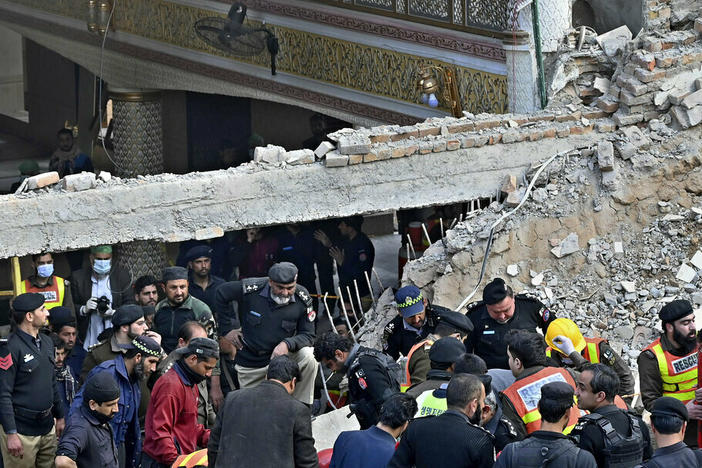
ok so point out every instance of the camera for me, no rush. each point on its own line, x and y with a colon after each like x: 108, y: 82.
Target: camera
x: 103, y: 305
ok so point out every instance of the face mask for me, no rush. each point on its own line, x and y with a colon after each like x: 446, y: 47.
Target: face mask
x: 102, y: 267
x: 45, y: 270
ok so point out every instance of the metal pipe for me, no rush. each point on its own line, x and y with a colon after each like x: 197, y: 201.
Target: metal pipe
x: 331, y: 320
x: 353, y: 308
x: 346, y: 316
x: 370, y: 288
x: 324, y: 384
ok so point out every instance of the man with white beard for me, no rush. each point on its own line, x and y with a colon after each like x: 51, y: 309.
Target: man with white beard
x: 273, y: 317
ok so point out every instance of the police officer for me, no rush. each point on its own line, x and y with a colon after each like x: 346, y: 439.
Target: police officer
x: 448, y: 323
x: 548, y: 446
x: 431, y: 394
x: 275, y: 317
x: 29, y: 394
x: 668, y: 366
x: 499, y: 312
x: 668, y: 420
x: 373, y: 377
x: 415, y: 322
x: 614, y: 436
x: 576, y: 351
x: 88, y: 440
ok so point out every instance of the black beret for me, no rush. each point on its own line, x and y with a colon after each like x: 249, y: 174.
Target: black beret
x: 201, y: 347
x: 28, y: 302
x: 447, y: 350
x: 675, y: 310
x: 457, y: 320
x: 283, y: 273
x: 197, y: 252
x: 668, y: 406
x: 558, y: 391
x: 494, y: 291
x: 145, y: 344
x: 127, y: 314
x: 174, y: 273
x: 100, y: 387
x: 60, y: 316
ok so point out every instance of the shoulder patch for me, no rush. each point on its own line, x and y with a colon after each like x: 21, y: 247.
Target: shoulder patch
x: 608, y: 356
x: 510, y: 426
x: 473, y: 306
x: 6, y: 362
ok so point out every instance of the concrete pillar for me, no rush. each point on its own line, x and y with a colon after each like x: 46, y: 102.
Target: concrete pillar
x: 522, y: 75
x: 138, y: 150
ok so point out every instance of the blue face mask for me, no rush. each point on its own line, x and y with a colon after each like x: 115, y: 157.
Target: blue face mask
x: 46, y: 270
x: 102, y: 267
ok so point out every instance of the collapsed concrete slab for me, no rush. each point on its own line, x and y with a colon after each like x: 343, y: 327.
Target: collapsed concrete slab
x: 174, y: 208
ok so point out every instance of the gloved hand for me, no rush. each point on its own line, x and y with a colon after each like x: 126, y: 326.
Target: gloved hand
x: 91, y: 305
x: 564, y: 344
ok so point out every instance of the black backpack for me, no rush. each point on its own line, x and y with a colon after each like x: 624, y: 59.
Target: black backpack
x: 538, y: 453
x: 619, y: 452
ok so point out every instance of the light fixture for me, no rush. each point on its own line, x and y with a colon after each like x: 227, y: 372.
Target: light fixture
x: 431, y: 88
x: 98, y: 15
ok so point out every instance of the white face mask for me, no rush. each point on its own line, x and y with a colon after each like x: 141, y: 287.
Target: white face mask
x: 102, y: 267
x: 280, y: 300
x: 46, y: 270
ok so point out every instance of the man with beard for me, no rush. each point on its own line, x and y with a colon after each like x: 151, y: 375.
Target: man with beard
x: 202, y: 284
x: 146, y: 291
x: 88, y: 441
x: 68, y: 158
x: 668, y: 366
x: 453, y: 438
x: 275, y: 317
x: 128, y: 369
x: 127, y: 323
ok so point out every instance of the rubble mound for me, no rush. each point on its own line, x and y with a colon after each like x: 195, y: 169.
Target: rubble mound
x: 602, y: 239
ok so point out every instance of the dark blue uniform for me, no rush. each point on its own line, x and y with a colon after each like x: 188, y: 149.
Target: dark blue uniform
x: 263, y: 322
x: 87, y: 442
x: 372, y: 448
x: 205, y: 295
x: 678, y: 455
x: 359, y: 255
x: 29, y: 395
x: 302, y: 250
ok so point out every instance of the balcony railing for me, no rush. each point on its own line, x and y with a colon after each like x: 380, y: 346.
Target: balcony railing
x: 485, y: 17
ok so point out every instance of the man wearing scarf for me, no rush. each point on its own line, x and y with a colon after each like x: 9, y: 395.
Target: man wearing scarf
x: 87, y: 441
x: 171, y: 420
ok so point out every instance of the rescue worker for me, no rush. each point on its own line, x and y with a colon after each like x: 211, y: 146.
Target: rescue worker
x: 29, y: 395
x: 171, y: 420
x: 614, y: 436
x: 548, y: 446
x: 499, y: 312
x: 416, y: 320
x: 453, y: 438
x: 372, y: 376
x: 668, y: 420
x: 201, y: 283
x: 449, y: 323
x: 527, y: 360
x: 668, y: 366
x: 87, y: 440
x: 576, y: 351
x: 56, y: 290
x: 275, y: 317
x: 431, y: 394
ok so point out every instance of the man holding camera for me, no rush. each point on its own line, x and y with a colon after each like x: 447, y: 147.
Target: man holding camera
x: 97, y: 292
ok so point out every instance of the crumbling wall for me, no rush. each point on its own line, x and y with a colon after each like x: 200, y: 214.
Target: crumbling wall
x: 603, y: 240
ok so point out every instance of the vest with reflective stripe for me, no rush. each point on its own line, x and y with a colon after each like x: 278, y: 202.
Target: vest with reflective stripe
x: 525, y: 394
x: 53, y: 293
x: 679, y: 373
x: 192, y: 460
x: 430, y: 405
x: 407, y: 381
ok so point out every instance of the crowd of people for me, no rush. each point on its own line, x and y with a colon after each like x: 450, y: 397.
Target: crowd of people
x: 100, y: 370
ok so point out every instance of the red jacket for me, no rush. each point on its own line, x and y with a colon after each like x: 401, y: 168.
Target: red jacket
x: 171, y: 420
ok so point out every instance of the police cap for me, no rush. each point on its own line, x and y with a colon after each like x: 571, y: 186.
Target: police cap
x: 409, y: 300
x: 668, y: 406
x: 127, y: 314
x: 28, y: 302
x: 674, y: 310
x: 60, y: 316
x: 174, y: 273
x: 495, y: 291
x: 198, y: 251
x: 145, y: 344
x: 283, y: 273
x: 559, y: 392
x: 447, y: 350
x: 456, y: 320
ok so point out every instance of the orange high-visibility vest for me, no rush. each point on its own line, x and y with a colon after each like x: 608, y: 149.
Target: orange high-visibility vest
x: 525, y: 395
x: 679, y: 373
x: 407, y: 383
x: 53, y: 293
x: 191, y: 460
